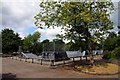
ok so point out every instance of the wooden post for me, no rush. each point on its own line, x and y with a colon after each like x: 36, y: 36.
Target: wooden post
x: 73, y: 59
x: 86, y: 58
x: 41, y: 61
x: 20, y: 59
x: 63, y: 61
x: 28, y: 60
x: 80, y: 58
x: 51, y: 62
x: 9, y: 56
x: 25, y: 59
x: 32, y: 60
x: 16, y: 57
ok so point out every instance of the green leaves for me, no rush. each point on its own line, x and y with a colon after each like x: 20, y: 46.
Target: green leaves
x: 10, y: 41
x: 31, y: 43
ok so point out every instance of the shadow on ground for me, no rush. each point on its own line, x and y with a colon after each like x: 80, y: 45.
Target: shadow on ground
x: 87, y: 63
x: 9, y: 76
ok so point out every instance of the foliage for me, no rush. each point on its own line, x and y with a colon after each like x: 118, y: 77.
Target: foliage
x: 107, y: 55
x: 74, y: 46
x: 118, y: 41
x: 119, y: 30
x: 116, y: 52
x: 110, y: 44
x: 74, y: 17
x: 58, y: 41
x: 45, y: 41
x: 59, y: 44
x: 10, y: 41
x: 31, y: 43
x: 55, y: 45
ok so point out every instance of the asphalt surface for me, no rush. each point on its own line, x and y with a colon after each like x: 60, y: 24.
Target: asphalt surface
x: 20, y: 69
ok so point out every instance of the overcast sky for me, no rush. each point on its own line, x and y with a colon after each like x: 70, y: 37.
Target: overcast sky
x: 19, y: 16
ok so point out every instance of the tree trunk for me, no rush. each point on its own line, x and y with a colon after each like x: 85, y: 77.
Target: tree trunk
x: 90, y: 50
x: 89, y: 42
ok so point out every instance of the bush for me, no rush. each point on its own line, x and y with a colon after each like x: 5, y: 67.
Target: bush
x: 116, y: 52
x: 107, y: 55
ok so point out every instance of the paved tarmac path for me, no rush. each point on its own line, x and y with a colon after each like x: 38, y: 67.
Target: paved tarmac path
x: 21, y: 69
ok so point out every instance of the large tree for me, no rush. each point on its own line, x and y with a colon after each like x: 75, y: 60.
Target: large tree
x: 87, y: 19
x: 10, y: 41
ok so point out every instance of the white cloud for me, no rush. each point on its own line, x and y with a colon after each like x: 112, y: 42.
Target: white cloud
x: 19, y: 14
x: 21, y: 35
x: 115, y: 0
x: 49, y: 33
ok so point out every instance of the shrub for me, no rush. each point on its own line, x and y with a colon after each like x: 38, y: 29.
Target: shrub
x: 116, y: 52
x: 107, y: 55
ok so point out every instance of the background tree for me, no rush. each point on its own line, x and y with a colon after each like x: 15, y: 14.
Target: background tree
x: 10, y: 41
x: 118, y: 38
x: 45, y: 44
x: 112, y: 46
x: 87, y: 19
x: 45, y: 41
x: 31, y: 43
x: 77, y: 42
x: 111, y: 42
x: 59, y: 44
x: 58, y: 41
x: 119, y: 30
